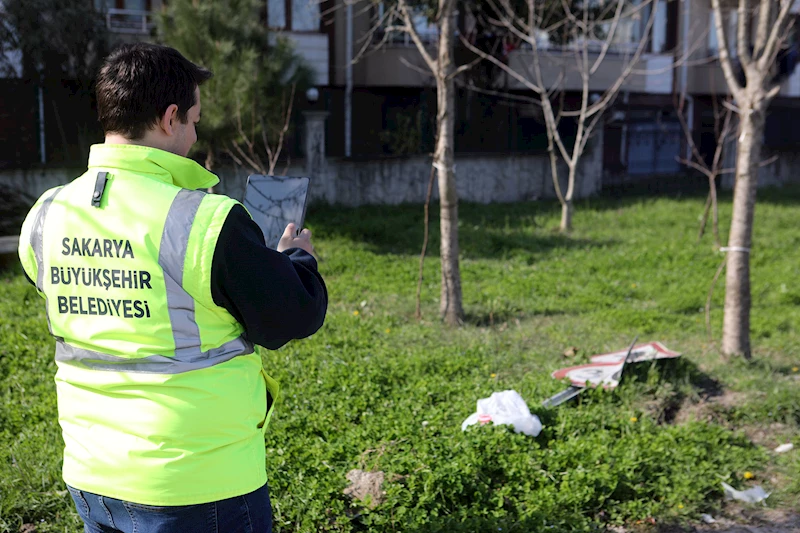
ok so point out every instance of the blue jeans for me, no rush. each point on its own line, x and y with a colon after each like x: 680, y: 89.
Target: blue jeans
x: 251, y: 513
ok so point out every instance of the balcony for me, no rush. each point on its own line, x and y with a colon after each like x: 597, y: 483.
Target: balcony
x: 130, y: 21
x: 653, y: 73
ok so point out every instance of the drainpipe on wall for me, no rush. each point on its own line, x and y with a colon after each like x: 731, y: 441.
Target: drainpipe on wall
x: 42, y: 154
x: 348, y: 92
x: 623, y: 148
x: 687, y: 17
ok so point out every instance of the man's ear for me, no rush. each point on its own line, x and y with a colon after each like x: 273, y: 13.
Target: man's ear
x: 168, y: 120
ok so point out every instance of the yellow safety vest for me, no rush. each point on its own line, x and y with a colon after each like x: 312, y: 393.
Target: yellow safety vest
x: 161, y: 399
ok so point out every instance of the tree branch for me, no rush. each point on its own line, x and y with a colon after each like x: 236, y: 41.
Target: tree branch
x: 777, y: 35
x: 367, y: 38
x: 743, y: 32
x: 724, y: 57
x: 415, y: 68
x: 414, y: 34
x: 763, y: 29
x: 609, y: 37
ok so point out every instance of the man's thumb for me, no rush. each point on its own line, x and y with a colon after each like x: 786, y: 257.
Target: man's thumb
x: 290, y: 230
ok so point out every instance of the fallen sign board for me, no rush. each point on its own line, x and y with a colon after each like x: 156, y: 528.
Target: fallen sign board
x: 643, y: 352
x: 605, y: 370
x: 574, y: 390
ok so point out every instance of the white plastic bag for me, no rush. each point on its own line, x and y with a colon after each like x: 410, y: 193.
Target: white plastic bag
x: 754, y: 495
x: 505, y: 407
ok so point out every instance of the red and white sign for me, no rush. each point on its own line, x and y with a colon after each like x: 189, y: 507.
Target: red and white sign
x: 643, y: 352
x: 606, y: 369
x: 604, y: 374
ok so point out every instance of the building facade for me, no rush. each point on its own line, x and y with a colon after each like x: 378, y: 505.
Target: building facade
x: 381, y: 100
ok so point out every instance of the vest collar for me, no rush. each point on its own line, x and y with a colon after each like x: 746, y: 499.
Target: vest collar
x: 159, y: 164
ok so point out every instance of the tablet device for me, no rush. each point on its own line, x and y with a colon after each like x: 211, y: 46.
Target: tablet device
x: 274, y: 202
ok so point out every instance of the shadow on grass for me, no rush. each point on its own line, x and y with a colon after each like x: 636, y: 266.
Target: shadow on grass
x: 500, y: 319
x: 617, y: 197
x: 485, y: 231
x: 683, y: 377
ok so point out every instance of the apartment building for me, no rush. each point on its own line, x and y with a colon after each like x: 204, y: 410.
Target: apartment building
x: 642, y: 134
x: 384, y: 102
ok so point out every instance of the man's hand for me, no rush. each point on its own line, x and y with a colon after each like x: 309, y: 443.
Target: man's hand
x: 290, y: 240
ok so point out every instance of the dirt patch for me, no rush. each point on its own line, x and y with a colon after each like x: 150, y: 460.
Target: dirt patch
x: 762, y: 521
x: 708, y: 408
x: 768, y: 435
x: 366, y: 486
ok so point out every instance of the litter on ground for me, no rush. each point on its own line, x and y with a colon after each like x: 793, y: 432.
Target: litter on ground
x: 506, y: 407
x: 754, y: 495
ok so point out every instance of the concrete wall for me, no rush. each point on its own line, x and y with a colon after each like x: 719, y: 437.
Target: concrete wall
x: 34, y: 183
x: 480, y: 178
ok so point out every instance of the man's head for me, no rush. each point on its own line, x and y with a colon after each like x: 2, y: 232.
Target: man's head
x: 149, y: 94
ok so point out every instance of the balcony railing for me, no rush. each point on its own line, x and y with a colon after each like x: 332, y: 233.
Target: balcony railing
x: 397, y: 38
x: 129, y: 21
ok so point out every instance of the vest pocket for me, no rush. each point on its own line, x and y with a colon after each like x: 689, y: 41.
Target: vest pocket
x: 273, y: 394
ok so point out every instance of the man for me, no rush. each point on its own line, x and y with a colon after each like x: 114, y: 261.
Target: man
x: 156, y: 294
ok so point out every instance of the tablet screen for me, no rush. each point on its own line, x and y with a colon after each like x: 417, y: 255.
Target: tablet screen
x: 274, y: 202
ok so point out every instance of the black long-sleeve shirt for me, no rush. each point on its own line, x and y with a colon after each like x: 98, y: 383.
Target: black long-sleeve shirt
x: 276, y: 296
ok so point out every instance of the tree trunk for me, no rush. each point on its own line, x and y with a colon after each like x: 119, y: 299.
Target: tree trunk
x: 736, y: 326
x: 210, y: 159
x: 210, y: 164
x: 566, y: 216
x: 566, y: 205
x: 715, y: 211
x: 451, y: 305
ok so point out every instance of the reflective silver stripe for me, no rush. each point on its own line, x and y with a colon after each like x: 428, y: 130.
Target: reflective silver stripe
x: 37, y: 238
x: 180, y: 304
x: 37, y: 243
x: 171, y: 258
x: 153, y: 364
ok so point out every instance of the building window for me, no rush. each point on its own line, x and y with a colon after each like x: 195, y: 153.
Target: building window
x: 276, y: 14
x: 127, y: 16
x: 627, y: 35
x: 426, y: 29
x: 293, y: 15
x: 133, y: 5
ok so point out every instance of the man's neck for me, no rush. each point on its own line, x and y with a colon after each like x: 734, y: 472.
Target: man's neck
x: 147, y: 140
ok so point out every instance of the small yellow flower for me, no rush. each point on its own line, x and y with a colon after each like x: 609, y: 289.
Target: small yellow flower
x: 493, y: 376
x: 680, y: 506
x: 388, y: 330
x: 355, y: 313
x: 795, y: 369
x: 634, y: 419
x: 748, y: 475
x: 633, y: 285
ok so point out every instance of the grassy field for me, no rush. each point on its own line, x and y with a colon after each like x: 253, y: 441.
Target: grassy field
x: 377, y: 390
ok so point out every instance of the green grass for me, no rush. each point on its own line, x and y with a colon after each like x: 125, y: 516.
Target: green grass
x: 377, y: 390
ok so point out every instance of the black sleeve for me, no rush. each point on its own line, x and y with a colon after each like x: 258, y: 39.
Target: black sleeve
x: 276, y: 296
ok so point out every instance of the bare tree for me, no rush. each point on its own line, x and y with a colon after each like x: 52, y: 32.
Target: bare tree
x: 589, y: 30
x: 246, y: 150
x: 440, y: 62
x: 723, y: 130
x: 757, y: 56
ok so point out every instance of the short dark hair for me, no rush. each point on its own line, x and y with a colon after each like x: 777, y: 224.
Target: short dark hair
x: 138, y: 82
